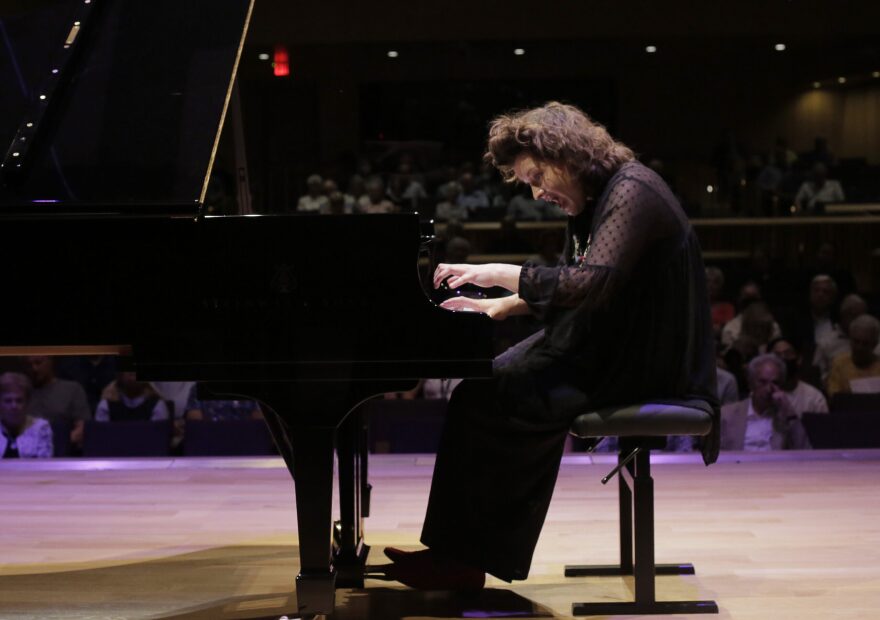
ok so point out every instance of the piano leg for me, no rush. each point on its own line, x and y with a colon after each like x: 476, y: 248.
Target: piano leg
x: 350, y: 552
x: 313, y: 467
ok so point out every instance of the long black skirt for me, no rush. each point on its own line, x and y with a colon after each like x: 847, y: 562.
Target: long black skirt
x: 498, y: 461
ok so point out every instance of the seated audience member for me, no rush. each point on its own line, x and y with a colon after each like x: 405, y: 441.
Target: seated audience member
x: 405, y: 190
x: 859, y: 370
x: 803, y: 396
x: 816, y: 322
x: 221, y: 410
x: 765, y: 420
x: 433, y: 389
x: 449, y: 209
x: 457, y: 250
x: 755, y: 322
x: 57, y: 400
x: 356, y: 189
x: 174, y: 392
x: 472, y: 197
x: 728, y: 388
x: 523, y: 206
x: 21, y: 435
x: 129, y: 399
x: 736, y: 360
x: 749, y: 294
x: 375, y: 200
x: 314, y: 201
x: 722, y: 310
x: 337, y: 205
x: 837, y: 342
x: 826, y: 262
x: 817, y: 191
x: 94, y: 373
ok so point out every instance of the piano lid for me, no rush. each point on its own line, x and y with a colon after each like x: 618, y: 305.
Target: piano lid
x: 115, y: 103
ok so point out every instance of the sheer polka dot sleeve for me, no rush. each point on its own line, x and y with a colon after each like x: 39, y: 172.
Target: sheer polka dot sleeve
x: 632, y: 216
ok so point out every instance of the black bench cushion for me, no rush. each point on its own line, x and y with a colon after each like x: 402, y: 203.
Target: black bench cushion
x: 651, y: 419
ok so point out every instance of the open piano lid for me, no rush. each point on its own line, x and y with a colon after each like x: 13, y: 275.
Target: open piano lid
x: 115, y: 105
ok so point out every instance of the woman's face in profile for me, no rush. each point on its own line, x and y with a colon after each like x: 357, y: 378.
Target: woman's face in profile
x: 551, y: 183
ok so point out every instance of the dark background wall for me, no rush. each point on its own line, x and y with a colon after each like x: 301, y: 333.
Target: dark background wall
x: 715, y: 69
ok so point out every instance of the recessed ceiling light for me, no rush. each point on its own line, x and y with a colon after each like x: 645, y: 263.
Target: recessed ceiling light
x: 264, y: 56
x: 779, y: 47
x: 392, y: 54
x: 841, y: 80
x: 519, y: 51
x: 651, y: 49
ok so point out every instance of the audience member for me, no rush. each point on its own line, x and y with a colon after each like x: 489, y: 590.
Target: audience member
x: 768, y: 183
x: 375, y: 200
x: 722, y: 310
x: 803, y: 396
x: 356, y: 189
x: 434, y: 389
x: 314, y: 201
x: 94, y: 373
x: 859, y: 370
x: 449, y: 209
x: 817, y: 191
x: 774, y: 286
x: 405, y: 191
x: 816, y: 322
x: 173, y: 393
x: 57, y: 400
x: 21, y: 435
x: 523, y: 206
x: 749, y: 295
x: 728, y: 388
x: 457, y: 250
x: 825, y: 262
x: 129, y: 399
x: 755, y: 321
x: 472, y: 197
x: 221, y: 410
x: 833, y: 344
x: 737, y: 357
x: 336, y: 204
x: 766, y: 419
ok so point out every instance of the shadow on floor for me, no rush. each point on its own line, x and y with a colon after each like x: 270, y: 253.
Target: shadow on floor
x: 245, y: 582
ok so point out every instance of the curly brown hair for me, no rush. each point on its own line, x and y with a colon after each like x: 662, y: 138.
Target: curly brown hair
x: 559, y: 134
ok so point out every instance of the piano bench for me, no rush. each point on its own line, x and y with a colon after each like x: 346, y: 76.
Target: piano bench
x: 641, y: 428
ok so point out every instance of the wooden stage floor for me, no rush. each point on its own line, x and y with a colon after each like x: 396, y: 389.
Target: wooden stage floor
x: 787, y: 536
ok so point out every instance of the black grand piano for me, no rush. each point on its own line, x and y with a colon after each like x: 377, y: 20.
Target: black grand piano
x: 110, y: 116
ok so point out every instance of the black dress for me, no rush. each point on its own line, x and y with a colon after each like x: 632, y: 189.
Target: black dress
x: 626, y: 319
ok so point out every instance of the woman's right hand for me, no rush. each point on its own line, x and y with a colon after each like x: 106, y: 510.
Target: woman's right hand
x: 497, y: 308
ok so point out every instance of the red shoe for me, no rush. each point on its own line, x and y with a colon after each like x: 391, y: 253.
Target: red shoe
x: 396, y: 555
x: 423, y: 570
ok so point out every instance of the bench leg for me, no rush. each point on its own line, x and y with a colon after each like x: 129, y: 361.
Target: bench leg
x: 641, y: 502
